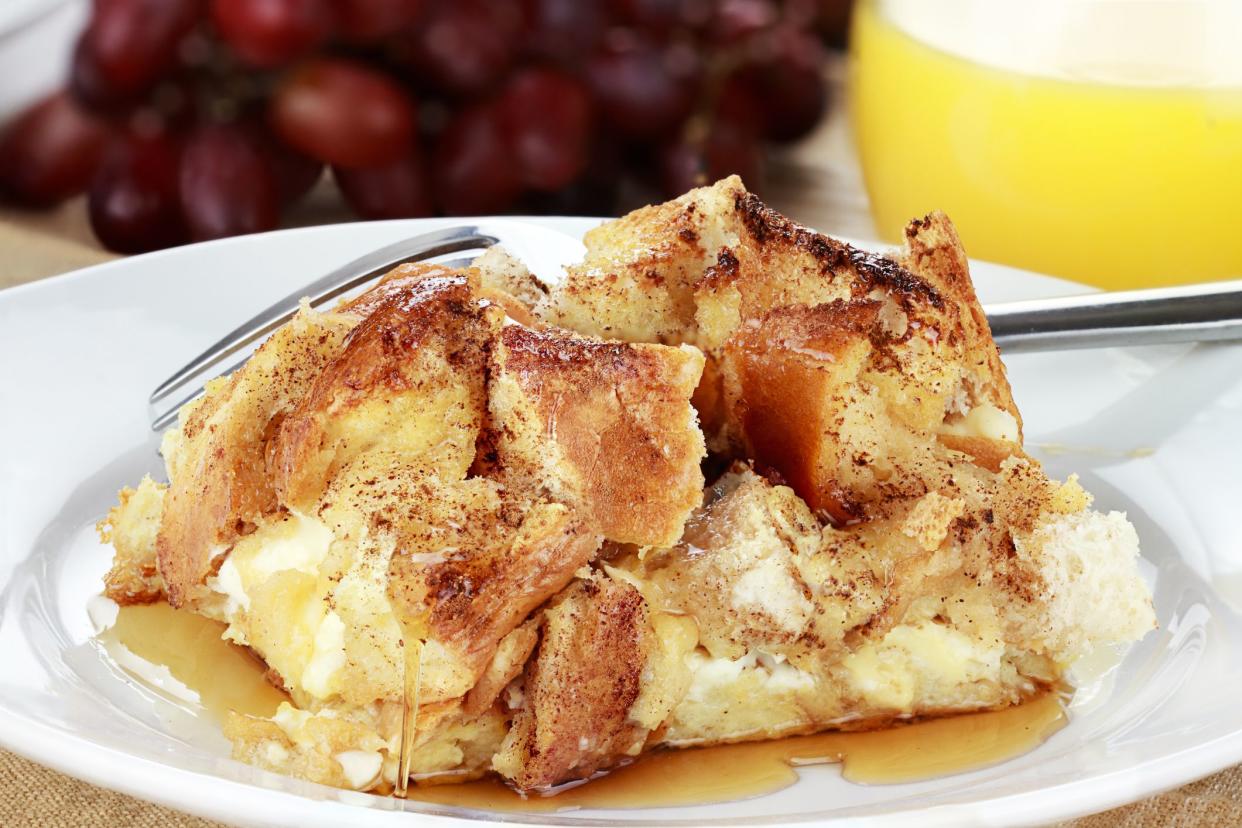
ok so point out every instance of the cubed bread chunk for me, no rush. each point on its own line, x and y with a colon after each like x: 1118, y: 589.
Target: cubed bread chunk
x: 586, y: 675
x: 217, y: 457
x: 605, y: 426
x: 409, y: 382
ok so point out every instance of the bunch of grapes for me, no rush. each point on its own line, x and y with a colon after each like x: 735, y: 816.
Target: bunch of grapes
x: 186, y: 120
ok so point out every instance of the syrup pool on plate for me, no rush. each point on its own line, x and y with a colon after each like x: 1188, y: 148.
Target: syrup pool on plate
x: 1100, y: 140
x: 697, y: 776
x: 182, y: 653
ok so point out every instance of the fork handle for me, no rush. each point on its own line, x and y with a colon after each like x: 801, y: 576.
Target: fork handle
x: 1188, y: 313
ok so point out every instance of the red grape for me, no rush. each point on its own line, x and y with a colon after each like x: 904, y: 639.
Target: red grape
x: 659, y: 15
x: 727, y: 150
x: 399, y: 190
x: 50, y: 151
x: 475, y: 172
x: 807, y: 14
x: 547, y: 116
x: 644, y: 90
x: 735, y: 20
x: 561, y: 105
x: 175, y: 102
x: 732, y: 151
x: 272, y: 32
x: 134, y: 205
x: 833, y: 19
x: 227, y: 184
x: 295, y: 173
x: 592, y: 193
x: 562, y: 29
x: 343, y: 113
x: 738, y: 103
x: 465, y: 46
x: 370, y: 20
x: 127, y: 47
x: 788, y: 81
x: 89, y: 85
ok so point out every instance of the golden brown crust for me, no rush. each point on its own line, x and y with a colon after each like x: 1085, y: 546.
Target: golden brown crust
x: 604, y: 425
x: 131, y: 527
x: 935, y: 253
x: 398, y: 282
x: 513, y: 307
x: 510, y: 659
x: 424, y: 338
x: 748, y: 270
x: 468, y: 587
x: 638, y: 278
x: 984, y: 452
x: 219, y: 483
x: 586, y: 676
x: 790, y: 376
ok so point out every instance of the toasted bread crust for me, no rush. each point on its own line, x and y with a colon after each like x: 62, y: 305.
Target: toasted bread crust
x: 789, y: 375
x: 468, y: 589
x: 426, y: 337
x: 219, y: 483
x: 580, y: 686
x: 384, y: 425
x: 579, y: 416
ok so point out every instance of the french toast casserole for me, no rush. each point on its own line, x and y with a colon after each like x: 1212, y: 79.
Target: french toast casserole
x: 729, y: 480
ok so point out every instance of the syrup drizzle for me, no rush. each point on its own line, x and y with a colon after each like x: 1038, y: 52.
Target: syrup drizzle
x: 227, y: 677
x: 727, y: 773
x: 413, y: 649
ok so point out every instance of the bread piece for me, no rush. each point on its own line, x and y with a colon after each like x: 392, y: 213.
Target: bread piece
x: 500, y: 272
x: 640, y: 273
x: 414, y: 464
x: 409, y: 382
x: 475, y: 568
x: 579, y: 687
x: 605, y: 426
x: 845, y: 372
x: 217, y: 457
x: 131, y: 528
x: 356, y: 747
x: 960, y: 601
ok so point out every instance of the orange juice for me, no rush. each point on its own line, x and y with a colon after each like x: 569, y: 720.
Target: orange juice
x: 1088, y: 154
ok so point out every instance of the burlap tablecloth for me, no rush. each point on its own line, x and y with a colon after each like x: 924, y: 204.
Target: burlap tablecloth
x: 817, y: 183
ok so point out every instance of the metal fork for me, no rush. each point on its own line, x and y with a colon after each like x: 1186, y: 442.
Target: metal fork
x: 544, y: 251
x: 1205, y: 312
x: 1189, y: 313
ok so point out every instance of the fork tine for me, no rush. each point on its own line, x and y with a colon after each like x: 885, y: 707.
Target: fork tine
x: 324, y: 289
x: 169, y: 416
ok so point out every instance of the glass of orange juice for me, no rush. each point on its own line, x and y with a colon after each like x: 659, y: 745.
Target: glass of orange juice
x: 1100, y: 140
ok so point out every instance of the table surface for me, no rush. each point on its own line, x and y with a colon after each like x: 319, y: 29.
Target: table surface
x: 817, y: 182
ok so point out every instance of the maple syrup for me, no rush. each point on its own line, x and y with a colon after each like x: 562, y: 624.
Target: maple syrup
x: 223, y: 675
x: 227, y: 677
x: 699, y: 776
x: 412, y: 683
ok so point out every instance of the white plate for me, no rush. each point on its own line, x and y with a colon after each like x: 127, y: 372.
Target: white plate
x: 1153, y: 431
